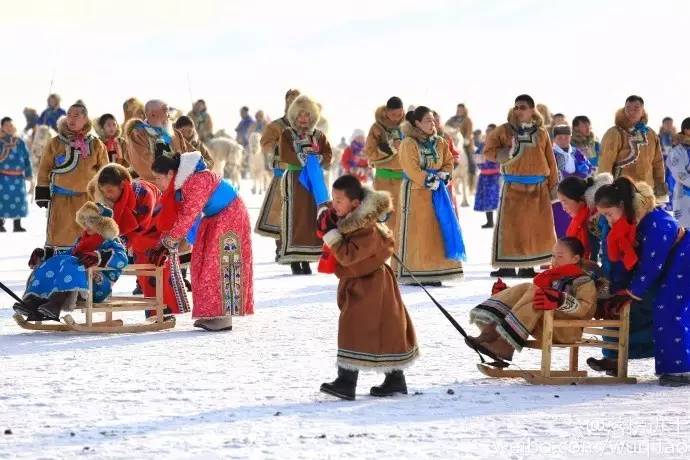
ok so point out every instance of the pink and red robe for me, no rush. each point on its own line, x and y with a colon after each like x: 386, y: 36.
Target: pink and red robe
x: 221, y: 267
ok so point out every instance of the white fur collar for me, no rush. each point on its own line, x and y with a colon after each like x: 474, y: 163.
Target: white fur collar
x: 188, y: 162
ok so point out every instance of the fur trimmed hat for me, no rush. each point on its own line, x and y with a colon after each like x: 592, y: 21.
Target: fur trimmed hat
x: 99, y: 218
x: 304, y: 103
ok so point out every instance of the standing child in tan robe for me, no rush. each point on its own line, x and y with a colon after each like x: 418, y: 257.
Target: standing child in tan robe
x: 374, y: 330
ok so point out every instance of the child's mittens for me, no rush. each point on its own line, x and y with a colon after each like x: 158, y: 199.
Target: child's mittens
x: 89, y: 259
x: 498, y: 286
x: 37, y: 257
x: 547, y: 299
x: 327, y: 221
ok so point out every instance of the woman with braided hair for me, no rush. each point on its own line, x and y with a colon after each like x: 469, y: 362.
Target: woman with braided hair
x: 197, y: 199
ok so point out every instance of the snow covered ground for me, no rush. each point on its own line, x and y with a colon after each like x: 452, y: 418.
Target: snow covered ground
x: 253, y: 392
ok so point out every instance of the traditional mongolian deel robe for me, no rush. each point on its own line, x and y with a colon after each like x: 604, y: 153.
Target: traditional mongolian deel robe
x: 67, y: 165
x: 663, y: 249
x: 374, y: 329
x: 421, y: 239
x: 570, y: 162
x: 634, y: 152
x: 383, y: 155
x: 142, y: 142
x: 678, y: 162
x: 488, y: 184
x: 268, y: 223
x: 524, y: 233
x: 222, y: 256
x: 15, y: 169
x: 64, y: 272
x: 589, y: 146
x: 516, y: 318
x: 299, y: 242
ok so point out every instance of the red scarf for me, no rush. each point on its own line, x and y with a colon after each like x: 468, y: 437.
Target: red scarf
x: 111, y: 144
x: 87, y: 243
x: 123, y: 210
x: 546, y: 278
x: 169, y: 208
x: 621, y: 243
x: 579, y: 228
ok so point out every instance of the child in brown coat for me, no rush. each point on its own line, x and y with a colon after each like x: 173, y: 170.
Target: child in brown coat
x: 374, y: 330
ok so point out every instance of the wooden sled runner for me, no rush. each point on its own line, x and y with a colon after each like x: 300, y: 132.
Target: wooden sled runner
x: 110, y: 305
x: 573, y: 376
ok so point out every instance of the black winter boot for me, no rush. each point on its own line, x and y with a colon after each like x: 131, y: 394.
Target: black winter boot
x: 18, y: 226
x: 296, y: 268
x: 306, y: 269
x: 344, y: 386
x: 2, y: 226
x: 57, y: 302
x: 503, y: 273
x: 29, y: 307
x: 489, y: 220
x: 392, y: 384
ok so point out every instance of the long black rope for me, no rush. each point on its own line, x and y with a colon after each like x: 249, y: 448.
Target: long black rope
x: 440, y: 307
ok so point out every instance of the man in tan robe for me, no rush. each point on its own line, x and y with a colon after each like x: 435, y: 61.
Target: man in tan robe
x: 632, y: 149
x: 146, y: 138
x: 524, y: 234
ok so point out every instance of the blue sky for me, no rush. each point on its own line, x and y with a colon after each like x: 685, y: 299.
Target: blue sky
x: 578, y: 57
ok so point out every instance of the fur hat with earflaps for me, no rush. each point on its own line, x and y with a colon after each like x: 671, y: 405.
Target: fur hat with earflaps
x: 99, y: 218
x: 304, y: 103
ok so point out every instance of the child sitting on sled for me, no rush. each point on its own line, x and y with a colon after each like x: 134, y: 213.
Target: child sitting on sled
x: 374, y: 330
x: 509, y: 317
x: 55, y: 283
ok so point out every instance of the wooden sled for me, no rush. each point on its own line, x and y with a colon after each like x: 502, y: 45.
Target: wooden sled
x: 110, y: 305
x: 572, y: 376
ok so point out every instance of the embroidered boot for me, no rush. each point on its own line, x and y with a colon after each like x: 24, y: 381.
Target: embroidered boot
x: 392, y: 384
x: 488, y: 334
x: 57, y: 302
x: 344, y: 386
x: 214, y: 324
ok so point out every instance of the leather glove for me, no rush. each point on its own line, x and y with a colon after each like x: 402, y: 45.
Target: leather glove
x: 37, y: 257
x: 544, y: 300
x: 432, y: 182
x: 159, y: 255
x: 89, y: 259
x: 328, y: 220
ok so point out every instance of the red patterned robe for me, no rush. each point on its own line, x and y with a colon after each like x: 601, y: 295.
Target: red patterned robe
x: 222, y: 279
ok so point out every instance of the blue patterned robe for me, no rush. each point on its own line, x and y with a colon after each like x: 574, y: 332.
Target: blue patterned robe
x: 667, y: 262
x: 15, y: 168
x: 64, y: 273
x: 488, y: 184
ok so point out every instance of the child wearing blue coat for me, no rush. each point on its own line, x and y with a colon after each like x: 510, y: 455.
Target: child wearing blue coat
x: 55, y: 283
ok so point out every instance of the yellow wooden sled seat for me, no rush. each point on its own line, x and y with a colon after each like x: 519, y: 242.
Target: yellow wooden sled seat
x: 573, y: 375
x: 110, y: 305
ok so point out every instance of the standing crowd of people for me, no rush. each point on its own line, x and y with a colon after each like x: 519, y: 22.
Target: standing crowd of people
x: 594, y: 218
